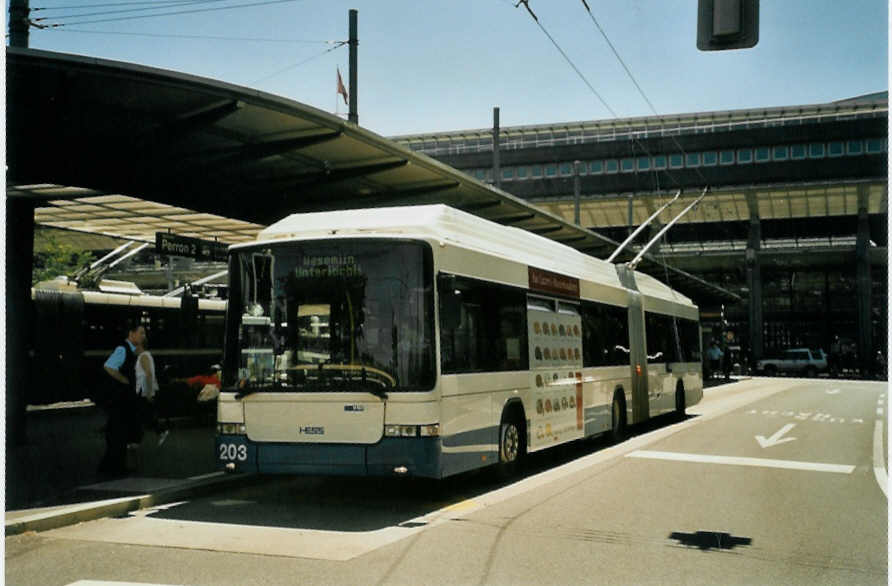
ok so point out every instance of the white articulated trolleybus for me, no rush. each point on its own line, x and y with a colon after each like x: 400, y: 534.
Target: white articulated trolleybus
x: 426, y: 341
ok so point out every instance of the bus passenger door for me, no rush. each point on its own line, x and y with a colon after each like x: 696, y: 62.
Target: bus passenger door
x: 555, y: 347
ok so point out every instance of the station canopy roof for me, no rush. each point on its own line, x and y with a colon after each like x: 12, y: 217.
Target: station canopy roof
x: 127, y: 151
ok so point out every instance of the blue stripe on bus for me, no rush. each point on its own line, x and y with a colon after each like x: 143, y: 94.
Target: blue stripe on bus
x: 455, y: 463
x: 473, y: 437
x: 597, y: 419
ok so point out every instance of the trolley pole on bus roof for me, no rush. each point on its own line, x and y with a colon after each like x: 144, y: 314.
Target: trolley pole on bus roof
x: 353, y: 42
x: 634, y: 262
x: 642, y: 227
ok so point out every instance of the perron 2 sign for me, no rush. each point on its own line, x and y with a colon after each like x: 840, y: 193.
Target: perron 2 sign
x: 176, y: 245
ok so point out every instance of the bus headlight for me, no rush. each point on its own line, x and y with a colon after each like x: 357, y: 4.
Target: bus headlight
x: 429, y: 430
x: 400, y: 430
x: 432, y: 430
x: 231, y: 428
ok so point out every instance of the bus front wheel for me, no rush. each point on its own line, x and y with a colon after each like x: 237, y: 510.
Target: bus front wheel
x: 510, y: 442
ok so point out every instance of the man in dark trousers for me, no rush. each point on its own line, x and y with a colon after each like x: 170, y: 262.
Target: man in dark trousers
x: 120, y: 403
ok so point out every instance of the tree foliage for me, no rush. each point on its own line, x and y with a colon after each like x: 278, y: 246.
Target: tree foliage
x: 57, y: 258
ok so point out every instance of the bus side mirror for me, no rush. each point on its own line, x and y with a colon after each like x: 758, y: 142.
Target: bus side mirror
x: 727, y: 24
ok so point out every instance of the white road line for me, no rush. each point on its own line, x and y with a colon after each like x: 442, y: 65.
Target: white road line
x: 880, y: 411
x: 738, y: 461
x: 107, y: 583
x: 879, y: 461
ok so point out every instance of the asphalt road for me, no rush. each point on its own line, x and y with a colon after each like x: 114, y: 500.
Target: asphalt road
x: 768, y: 481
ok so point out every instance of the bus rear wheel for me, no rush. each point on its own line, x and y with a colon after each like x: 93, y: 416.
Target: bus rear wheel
x: 680, y: 402
x: 618, y: 418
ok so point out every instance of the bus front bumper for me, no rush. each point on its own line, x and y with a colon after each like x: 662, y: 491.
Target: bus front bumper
x: 417, y: 456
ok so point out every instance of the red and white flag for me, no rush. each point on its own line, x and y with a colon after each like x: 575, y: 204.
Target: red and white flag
x: 341, y: 89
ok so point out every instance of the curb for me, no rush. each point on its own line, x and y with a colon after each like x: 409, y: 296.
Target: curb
x: 91, y: 511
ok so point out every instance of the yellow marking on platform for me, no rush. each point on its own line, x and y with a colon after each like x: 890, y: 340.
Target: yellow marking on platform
x: 462, y: 506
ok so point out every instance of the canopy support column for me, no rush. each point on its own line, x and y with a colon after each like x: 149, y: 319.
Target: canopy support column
x: 754, y: 280
x: 863, y: 284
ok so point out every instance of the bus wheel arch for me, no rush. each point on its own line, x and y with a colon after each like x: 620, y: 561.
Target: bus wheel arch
x: 512, y: 433
x: 618, y: 415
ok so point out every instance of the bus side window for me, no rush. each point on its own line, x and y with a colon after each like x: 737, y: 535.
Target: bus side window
x: 605, y: 331
x: 658, y: 331
x: 482, y: 326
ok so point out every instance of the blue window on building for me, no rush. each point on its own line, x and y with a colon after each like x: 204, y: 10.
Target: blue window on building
x: 643, y: 163
x: 521, y: 172
x: 744, y: 156
x: 676, y: 161
x: 836, y: 149
x: 508, y: 173
x: 692, y: 160
x: 710, y: 159
x: 480, y: 174
x: 537, y: 171
x: 816, y: 150
x: 627, y: 165
x: 797, y: 152
x: 550, y: 170
x: 726, y: 157
x: 876, y: 145
x: 612, y: 166
x: 660, y: 162
x: 763, y: 154
x: 566, y: 169
x: 596, y: 167
x: 780, y: 153
x: 855, y: 147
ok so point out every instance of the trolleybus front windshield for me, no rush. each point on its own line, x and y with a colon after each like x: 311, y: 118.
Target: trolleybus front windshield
x: 335, y: 315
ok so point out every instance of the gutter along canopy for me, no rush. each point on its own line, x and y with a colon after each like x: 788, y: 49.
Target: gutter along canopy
x: 127, y: 151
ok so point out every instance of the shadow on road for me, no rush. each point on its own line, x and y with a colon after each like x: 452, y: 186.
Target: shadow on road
x: 368, y: 504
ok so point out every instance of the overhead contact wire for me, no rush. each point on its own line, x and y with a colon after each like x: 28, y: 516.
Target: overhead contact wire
x: 200, y: 37
x: 573, y: 65
x: 296, y: 65
x: 179, y: 12
x: 122, y: 11
x: 635, y: 82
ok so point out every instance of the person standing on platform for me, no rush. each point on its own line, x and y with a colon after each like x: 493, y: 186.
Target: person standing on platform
x: 146, y: 387
x: 121, y: 403
x: 714, y: 353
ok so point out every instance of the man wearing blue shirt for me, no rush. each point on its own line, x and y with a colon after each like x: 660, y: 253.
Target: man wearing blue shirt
x: 120, y: 367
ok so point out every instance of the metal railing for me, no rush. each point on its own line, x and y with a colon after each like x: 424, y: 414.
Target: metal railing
x: 454, y: 145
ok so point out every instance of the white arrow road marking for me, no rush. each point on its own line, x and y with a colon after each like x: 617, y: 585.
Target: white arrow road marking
x: 776, y: 438
x: 833, y: 392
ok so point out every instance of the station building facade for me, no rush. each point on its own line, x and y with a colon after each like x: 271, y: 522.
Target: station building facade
x: 795, y: 221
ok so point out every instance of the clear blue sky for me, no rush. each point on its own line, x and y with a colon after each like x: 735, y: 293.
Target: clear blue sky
x: 433, y: 66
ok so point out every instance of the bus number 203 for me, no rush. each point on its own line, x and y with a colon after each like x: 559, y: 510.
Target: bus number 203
x: 234, y: 452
